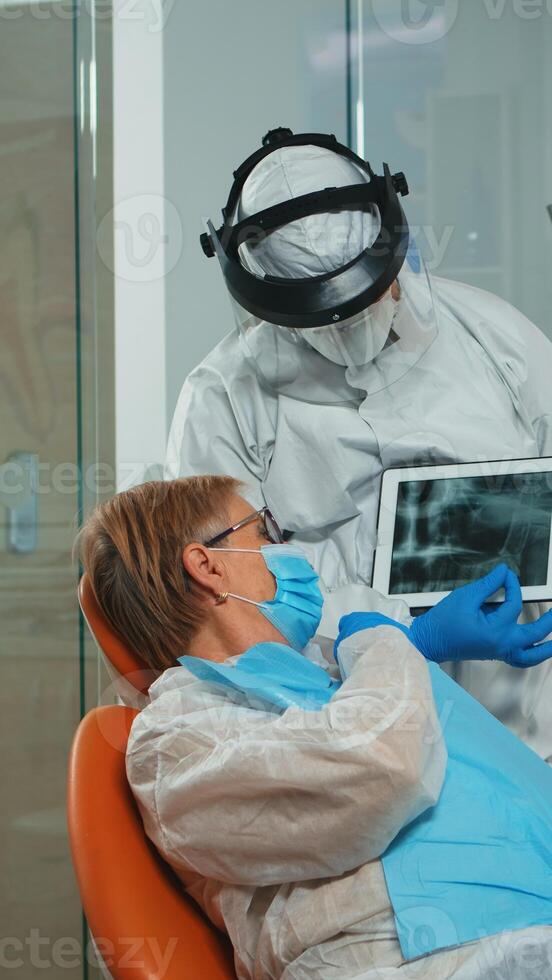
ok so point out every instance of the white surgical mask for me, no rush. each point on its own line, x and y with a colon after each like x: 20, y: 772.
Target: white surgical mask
x: 356, y: 341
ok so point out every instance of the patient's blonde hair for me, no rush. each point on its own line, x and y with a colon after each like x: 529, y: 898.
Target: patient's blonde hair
x: 131, y: 547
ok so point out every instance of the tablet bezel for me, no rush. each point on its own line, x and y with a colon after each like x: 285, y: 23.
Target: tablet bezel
x: 391, y: 479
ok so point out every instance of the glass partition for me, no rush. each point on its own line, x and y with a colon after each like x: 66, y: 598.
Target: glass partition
x: 458, y: 95
x: 55, y: 405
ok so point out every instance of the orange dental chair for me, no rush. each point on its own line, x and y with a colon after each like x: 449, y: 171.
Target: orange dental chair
x: 144, y: 925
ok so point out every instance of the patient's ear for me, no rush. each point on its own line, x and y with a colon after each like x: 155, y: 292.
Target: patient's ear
x: 204, y: 568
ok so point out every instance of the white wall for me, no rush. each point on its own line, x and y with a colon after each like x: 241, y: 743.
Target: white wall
x: 232, y: 71
x: 141, y: 252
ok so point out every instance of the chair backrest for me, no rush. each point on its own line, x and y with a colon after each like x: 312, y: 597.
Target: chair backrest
x: 120, y: 654
x: 144, y: 924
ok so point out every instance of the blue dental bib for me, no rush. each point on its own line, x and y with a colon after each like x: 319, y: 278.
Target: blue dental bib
x: 272, y: 673
x: 477, y: 863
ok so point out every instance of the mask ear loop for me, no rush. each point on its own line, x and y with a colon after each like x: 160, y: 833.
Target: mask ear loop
x: 223, y: 596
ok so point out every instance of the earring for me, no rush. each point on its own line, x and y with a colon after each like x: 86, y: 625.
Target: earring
x: 221, y: 597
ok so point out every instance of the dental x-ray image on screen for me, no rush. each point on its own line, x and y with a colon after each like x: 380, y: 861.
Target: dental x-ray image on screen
x: 450, y: 531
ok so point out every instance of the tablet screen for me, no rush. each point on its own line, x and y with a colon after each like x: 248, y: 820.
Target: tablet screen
x: 450, y: 531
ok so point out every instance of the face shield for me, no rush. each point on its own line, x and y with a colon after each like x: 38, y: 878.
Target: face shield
x: 325, y: 284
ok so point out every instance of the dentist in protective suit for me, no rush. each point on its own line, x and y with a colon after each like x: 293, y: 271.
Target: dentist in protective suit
x: 347, y: 358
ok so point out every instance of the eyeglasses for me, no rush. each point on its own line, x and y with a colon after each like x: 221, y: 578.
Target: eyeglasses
x: 271, y: 527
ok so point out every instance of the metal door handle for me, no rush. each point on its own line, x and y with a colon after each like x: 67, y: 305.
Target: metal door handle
x: 18, y: 491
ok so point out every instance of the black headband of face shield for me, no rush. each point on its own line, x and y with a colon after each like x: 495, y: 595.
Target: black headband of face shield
x: 318, y: 300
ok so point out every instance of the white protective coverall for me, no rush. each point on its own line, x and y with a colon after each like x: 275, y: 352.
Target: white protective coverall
x: 274, y: 821
x: 481, y: 391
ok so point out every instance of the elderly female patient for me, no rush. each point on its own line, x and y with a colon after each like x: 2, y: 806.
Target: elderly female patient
x: 365, y: 818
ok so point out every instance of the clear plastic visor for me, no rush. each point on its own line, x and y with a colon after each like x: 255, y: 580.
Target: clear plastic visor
x: 345, y: 361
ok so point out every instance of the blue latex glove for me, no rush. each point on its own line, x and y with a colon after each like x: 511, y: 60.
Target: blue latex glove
x: 357, y: 621
x: 463, y: 627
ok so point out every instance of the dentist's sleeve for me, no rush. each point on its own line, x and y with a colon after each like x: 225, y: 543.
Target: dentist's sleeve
x: 222, y: 428
x: 536, y: 391
x: 251, y: 797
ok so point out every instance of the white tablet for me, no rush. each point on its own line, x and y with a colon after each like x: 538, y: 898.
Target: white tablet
x: 444, y: 526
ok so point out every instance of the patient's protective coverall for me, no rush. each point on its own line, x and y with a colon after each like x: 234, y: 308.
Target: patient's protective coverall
x: 275, y: 821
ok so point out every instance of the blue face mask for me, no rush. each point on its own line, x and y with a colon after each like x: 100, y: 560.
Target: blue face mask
x: 296, y: 609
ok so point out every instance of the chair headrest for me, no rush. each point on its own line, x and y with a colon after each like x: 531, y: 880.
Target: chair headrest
x: 125, y: 660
